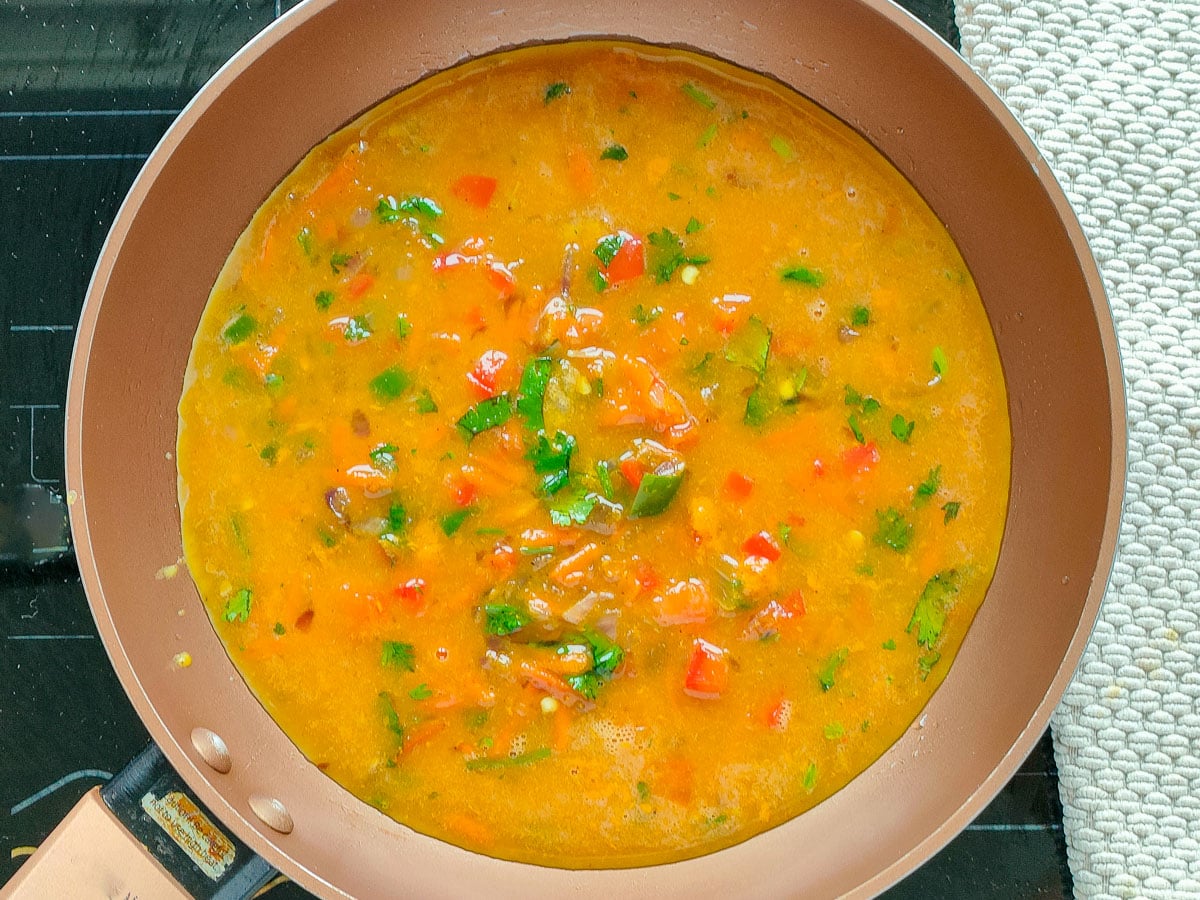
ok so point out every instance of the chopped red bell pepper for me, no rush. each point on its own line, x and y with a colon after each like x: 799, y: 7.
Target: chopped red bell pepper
x: 484, y: 375
x: 632, y: 471
x: 628, y: 263
x: 860, y: 458
x: 475, y: 189
x: 412, y: 595
x: 764, y: 545
x: 360, y: 284
x: 707, y: 671
x: 738, y: 486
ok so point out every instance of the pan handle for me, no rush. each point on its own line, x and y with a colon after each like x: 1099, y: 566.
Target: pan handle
x: 141, y: 835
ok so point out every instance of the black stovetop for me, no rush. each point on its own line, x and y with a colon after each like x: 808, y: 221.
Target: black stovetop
x: 86, y: 90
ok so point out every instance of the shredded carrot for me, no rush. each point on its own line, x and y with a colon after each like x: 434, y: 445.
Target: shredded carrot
x: 470, y: 828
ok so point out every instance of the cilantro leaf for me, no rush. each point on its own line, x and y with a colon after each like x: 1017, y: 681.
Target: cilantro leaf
x: 237, y: 607
x: 239, y: 329
x: 940, y: 364
x: 693, y: 226
x: 902, y: 428
x: 338, y: 261
x: 572, y: 508
x: 607, y: 247
x: 644, y: 317
x: 421, y: 692
x: 666, y: 255
x: 388, y: 709
x: 426, y: 404
x: 324, y: 299
x: 929, y: 615
x: 532, y: 390
x: 357, y: 329
x: 452, y: 522
x: 390, y: 210
x: 892, y: 531
x: 554, y: 91
x: 304, y: 237
x: 749, y: 346
x: 586, y: 684
x: 927, y: 488
x: 951, y: 510
x: 803, y: 275
x: 604, y: 476
x: 398, y: 655
x: 758, y: 407
x: 551, y: 457
x: 397, y: 518
x: 834, y: 731
x: 825, y: 677
x: 615, y: 152
x: 855, y: 428
x: 782, y: 148
x: 927, y: 661
x: 502, y: 620
x: 389, y: 384
x: 383, y: 457
x: 489, y: 413
x: 860, y: 316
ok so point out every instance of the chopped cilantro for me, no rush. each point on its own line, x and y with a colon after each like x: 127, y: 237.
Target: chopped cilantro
x: 782, y: 148
x: 572, y: 508
x: 596, y: 277
x: 902, y: 428
x: 237, y: 607
x: 391, y: 720
x: 383, y: 457
x: 421, y: 692
x: 825, y: 677
x: 403, y: 326
x: 502, y: 619
x: 551, y: 458
x: 860, y: 316
x: 304, y: 237
x: 279, y: 629
x: 855, y: 428
x: 398, y: 655
x: 390, y: 210
x: 643, y: 791
x: 324, y: 299
x: 485, y: 414
x: 951, y: 510
x: 607, y: 247
x: 889, y: 644
x: 397, y: 518
x: 532, y: 390
x: 426, y: 404
x: 698, y: 95
x: 666, y: 255
x: 537, y: 551
x: 357, y: 329
x: 656, y: 491
x: 940, y: 364
x: 810, y: 777
x: 643, y: 316
x: 834, y: 731
x: 605, y: 479
x: 758, y: 407
x: 239, y: 329
x: 803, y: 275
x: 749, y: 346
x: 452, y: 522
x: 337, y: 261
x: 692, y: 226
x: 671, y: 195
x: 615, y: 152
x: 927, y: 661
x: 556, y: 90
x: 927, y: 488
x: 892, y: 531
x: 389, y: 384
x: 268, y: 453
x: 929, y: 615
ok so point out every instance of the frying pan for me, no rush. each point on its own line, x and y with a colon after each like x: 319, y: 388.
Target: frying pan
x: 867, y: 62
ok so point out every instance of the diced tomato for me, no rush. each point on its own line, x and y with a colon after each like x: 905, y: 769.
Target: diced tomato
x: 503, y: 559
x: 487, y: 370
x: 794, y: 603
x: 465, y: 492
x: 738, y: 486
x: 778, y: 713
x: 632, y: 471
x: 860, y: 458
x: 684, y: 603
x: 475, y: 189
x: 646, y: 577
x: 502, y: 279
x: 628, y: 262
x: 729, y: 312
x: 360, y: 284
x: 707, y: 671
x: 764, y: 545
x: 412, y: 595
x: 476, y: 320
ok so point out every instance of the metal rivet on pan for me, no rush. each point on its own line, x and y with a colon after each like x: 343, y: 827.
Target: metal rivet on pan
x: 272, y: 813
x: 212, y: 749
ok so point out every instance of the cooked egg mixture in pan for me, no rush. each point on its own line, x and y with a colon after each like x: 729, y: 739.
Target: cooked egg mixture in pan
x: 594, y: 455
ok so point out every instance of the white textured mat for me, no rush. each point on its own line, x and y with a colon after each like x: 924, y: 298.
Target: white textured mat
x: 1111, y: 93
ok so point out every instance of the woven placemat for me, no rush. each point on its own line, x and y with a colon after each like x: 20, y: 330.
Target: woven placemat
x: 1110, y: 91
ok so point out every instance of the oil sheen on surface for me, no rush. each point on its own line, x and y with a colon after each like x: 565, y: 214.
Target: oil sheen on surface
x: 594, y: 456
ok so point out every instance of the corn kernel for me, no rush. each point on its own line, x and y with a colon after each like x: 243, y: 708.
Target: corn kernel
x: 549, y: 705
x: 787, y: 390
x: 855, y: 539
x: 689, y: 275
x: 183, y: 660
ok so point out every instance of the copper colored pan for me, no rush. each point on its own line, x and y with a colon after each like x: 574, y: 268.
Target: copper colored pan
x: 867, y: 62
